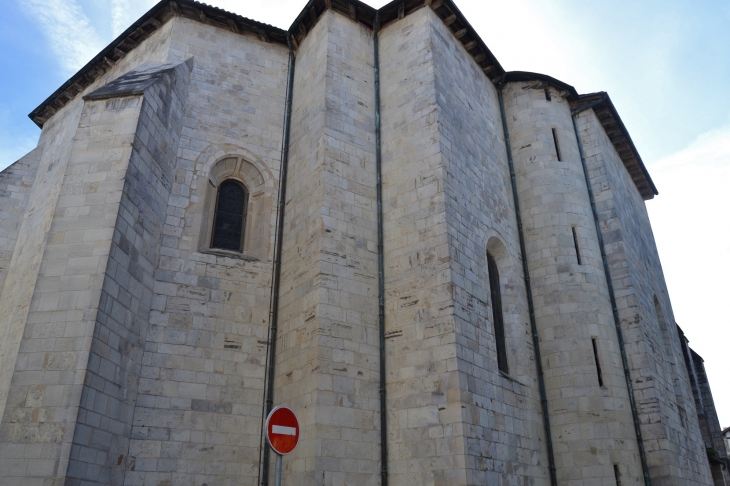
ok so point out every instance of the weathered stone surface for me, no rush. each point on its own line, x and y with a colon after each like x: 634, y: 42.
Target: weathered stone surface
x: 662, y: 386
x: 134, y: 353
x: 327, y: 365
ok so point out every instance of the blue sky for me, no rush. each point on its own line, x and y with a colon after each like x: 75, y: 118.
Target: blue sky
x: 664, y: 63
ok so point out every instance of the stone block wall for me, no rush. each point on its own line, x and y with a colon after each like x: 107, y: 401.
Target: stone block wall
x: 328, y: 365
x: 661, y: 384
x: 104, y: 424
x: 32, y: 428
x: 423, y: 397
x: 25, y: 263
x: 708, y: 420
x: 503, y: 427
x: 452, y: 416
x: 198, y: 413
x: 590, y: 414
x: 16, y: 182
x: 133, y: 353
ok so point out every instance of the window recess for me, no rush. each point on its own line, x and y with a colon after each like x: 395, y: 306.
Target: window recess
x: 598, y: 363
x: 577, y: 248
x: 497, y: 316
x: 557, y: 145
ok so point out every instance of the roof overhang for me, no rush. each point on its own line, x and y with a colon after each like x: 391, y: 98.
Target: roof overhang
x: 372, y: 18
x: 616, y: 131
x: 608, y: 117
x: 137, y: 33
x: 307, y: 19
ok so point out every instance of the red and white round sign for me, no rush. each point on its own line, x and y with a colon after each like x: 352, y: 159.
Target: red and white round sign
x: 282, y: 430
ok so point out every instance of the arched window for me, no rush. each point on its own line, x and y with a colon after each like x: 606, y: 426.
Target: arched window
x: 498, y: 320
x: 230, y: 216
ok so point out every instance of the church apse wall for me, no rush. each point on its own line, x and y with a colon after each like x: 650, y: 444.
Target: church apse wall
x: 198, y: 413
x: 136, y: 312
x: 660, y: 378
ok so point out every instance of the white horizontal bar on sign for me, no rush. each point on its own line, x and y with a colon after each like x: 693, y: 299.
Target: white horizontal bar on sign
x: 281, y: 430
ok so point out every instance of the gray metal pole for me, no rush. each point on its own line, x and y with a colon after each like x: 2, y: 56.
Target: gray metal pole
x: 277, y: 474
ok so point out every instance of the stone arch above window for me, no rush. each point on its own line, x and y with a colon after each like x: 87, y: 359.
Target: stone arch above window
x: 235, y: 218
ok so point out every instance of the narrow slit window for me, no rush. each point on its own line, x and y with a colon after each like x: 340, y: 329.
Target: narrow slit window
x: 557, y: 146
x: 575, y: 242
x: 230, y: 216
x: 617, y: 474
x: 497, y: 313
x: 598, y: 363
x: 682, y: 416
x: 547, y: 94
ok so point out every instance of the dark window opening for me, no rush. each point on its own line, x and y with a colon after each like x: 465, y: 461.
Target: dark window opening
x: 682, y: 416
x: 557, y: 147
x: 230, y: 215
x: 497, y: 313
x: 617, y: 473
x: 598, y: 363
x: 575, y: 242
x: 547, y: 94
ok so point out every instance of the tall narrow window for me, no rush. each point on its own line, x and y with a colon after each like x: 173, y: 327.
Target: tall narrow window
x: 557, y: 146
x: 617, y: 474
x: 230, y: 211
x: 547, y: 94
x: 575, y: 242
x: 598, y: 363
x: 497, y: 313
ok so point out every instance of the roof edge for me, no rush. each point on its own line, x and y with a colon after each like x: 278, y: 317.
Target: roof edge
x: 139, y: 31
x: 359, y: 12
x: 609, y: 118
x: 515, y: 76
x: 620, y: 137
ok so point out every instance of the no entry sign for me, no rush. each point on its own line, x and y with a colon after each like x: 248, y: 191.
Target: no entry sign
x: 282, y: 430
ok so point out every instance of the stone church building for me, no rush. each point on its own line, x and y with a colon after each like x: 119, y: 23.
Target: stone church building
x: 445, y: 269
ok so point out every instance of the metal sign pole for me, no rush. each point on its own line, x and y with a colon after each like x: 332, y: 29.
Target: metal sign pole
x: 277, y: 476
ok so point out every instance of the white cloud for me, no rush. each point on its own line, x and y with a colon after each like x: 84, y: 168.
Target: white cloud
x: 120, y: 14
x: 692, y: 230
x: 68, y: 30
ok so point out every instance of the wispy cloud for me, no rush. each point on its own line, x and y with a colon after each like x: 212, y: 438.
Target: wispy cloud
x: 68, y: 31
x: 120, y: 13
x: 126, y: 12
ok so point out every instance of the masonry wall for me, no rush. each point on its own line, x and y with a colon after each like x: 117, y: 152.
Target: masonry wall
x: 591, y: 423
x: 92, y: 305
x: 709, y: 422
x: 661, y: 384
x: 424, y: 402
x: 137, y: 353
x: 15, y: 185
x: 327, y: 356
x: 198, y: 413
x: 503, y: 427
x: 104, y: 424
x: 25, y: 263
x: 48, y: 366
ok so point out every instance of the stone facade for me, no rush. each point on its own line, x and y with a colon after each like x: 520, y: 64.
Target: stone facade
x: 134, y: 353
